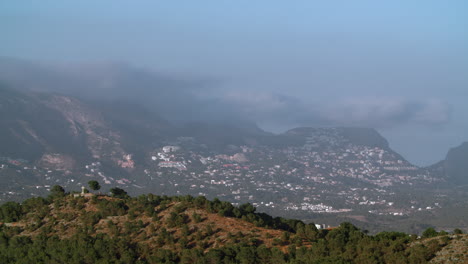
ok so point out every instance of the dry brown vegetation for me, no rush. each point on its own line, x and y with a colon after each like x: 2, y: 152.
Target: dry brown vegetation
x: 183, y: 228
x: 210, y: 230
x: 456, y: 251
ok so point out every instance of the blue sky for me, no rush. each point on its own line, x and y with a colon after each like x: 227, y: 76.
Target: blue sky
x: 399, y: 66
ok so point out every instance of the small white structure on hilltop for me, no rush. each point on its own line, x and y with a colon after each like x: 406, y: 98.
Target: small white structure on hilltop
x: 83, y: 193
x: 319, y: 226
x: 167, y: 149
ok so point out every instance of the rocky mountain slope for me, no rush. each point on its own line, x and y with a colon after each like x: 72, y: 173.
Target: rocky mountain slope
x: 58, y: 131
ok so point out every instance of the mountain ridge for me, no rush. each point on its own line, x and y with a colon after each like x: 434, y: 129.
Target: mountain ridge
x: 78, y: 114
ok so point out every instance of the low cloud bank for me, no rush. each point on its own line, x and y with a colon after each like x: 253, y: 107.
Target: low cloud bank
x: 181, y: 98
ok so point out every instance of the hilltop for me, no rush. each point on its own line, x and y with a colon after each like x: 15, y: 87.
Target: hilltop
x: 160, y: 229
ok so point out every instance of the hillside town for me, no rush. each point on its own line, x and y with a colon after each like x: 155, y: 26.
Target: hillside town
x: 326, y: 175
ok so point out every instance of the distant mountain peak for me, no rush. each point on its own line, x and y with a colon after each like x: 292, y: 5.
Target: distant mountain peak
x: 456, y: 164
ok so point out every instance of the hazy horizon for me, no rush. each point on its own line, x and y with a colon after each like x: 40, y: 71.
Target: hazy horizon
x: 399, y: 67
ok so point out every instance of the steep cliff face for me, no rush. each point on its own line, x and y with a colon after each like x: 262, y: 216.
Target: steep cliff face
x: 55, y: 129
x: 29, y: 128
x: 456, y: 164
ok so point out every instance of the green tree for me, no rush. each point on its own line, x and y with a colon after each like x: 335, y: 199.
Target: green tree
x: 197, y: 217
x: 10, y: 212
x: 247, y: 208
x: 94, y: 185
x: 119, y: 193
x: 246, y: 255
x: 57, y: 191
x: 430, y: 232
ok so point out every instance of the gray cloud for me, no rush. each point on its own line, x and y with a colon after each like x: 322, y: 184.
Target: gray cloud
x: 381, y: 112
x: 171, y: 96
x: 181, y: 98
x: 376, y: 112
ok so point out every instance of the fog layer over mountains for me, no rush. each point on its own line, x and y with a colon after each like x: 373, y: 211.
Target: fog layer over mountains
x: 396, y: 66
x: 185, y: 99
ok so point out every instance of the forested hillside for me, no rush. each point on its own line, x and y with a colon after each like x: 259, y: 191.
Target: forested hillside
x: 95, y: 228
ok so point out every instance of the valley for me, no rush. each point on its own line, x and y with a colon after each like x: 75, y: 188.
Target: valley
x: 313, y: 174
